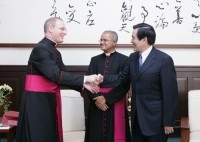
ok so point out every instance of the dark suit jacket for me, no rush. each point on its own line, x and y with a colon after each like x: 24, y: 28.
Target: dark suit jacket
x: 154, y: 90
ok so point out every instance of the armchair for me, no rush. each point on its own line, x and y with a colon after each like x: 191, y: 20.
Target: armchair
x: 190, y: 127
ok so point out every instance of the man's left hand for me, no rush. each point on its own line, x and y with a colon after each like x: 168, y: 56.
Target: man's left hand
x: 168, y: 130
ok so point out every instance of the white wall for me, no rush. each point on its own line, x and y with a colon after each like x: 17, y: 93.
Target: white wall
x: 179, y: 34
x: 81, y: 56
x: 105, y: 14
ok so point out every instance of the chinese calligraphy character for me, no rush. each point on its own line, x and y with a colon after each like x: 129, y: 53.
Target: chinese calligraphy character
x: 161, y: 8
x: 90, y: 21
x: 198, y: 2
x: 143, y: 14
x: 196, y: 28
x: 54, y: 12
x: 71, y: 15
x: 195, y: 16
x: 126, y: 16
x: 179, y: 19
x: 161, y: 22
x: 91, y: 3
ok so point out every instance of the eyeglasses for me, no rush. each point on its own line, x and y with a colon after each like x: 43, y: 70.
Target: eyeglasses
x: 104, y: 40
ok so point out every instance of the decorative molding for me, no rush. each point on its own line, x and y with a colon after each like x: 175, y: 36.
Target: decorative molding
x: 31, y: 45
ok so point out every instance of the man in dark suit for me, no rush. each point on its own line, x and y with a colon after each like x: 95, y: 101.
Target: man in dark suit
x: 154, y: 87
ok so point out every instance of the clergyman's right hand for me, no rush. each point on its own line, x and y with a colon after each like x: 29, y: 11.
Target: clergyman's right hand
x: 100, y: 102
x: 91, y: 87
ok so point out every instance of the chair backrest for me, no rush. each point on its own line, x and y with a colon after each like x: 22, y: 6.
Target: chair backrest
x: 73, y: 117
x: 194, y: 110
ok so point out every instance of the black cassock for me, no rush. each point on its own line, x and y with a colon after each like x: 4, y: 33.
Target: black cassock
x: 100, y: 125
x: 37, y: 118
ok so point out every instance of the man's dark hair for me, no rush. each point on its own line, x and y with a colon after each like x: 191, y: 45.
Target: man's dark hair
x: 146, y: 30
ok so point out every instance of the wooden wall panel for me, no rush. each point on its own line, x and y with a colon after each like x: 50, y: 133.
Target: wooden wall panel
x: 182, y: 89
x: 190, y: 77
x: 195, y: 82
x: 13, y: 76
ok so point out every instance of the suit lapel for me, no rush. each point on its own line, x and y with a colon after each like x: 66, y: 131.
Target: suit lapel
x: 148, y: 62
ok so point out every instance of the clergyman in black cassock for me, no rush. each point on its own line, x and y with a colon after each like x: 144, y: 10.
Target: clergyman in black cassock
x: 111, y: 124
x: 40, y: 115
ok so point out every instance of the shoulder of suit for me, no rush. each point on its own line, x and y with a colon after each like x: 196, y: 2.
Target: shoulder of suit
x: 120, y: 54
x: 134, y: 54
x: 162, y: 55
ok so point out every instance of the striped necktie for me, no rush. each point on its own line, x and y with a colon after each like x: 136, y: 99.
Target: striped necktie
x: 140, y: 61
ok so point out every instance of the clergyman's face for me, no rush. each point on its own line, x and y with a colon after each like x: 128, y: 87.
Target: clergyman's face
x: 106, y: 43
x: 59, y: 31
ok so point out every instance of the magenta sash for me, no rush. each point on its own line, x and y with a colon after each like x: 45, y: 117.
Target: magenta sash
x: 38, y: 83
x: 119, y: 118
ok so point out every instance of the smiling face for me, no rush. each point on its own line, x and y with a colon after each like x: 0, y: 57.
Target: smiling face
x: 55, y: 30
x: 107, y: 44
x: 138, y: 45
x: 58, y: 31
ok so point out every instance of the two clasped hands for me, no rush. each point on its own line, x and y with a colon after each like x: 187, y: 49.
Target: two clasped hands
x: 92, y: 84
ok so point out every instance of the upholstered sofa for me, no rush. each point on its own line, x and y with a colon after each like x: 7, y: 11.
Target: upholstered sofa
x: 73, y: 116
x: 190, y: 126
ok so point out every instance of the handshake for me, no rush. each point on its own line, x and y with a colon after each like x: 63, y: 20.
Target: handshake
x: 91, y: 82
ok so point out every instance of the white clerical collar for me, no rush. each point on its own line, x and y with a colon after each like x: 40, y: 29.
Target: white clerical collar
x: 52, y: 40
x: 108, y: 54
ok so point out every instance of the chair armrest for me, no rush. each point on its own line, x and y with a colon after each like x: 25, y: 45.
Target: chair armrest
x: 185, y: 123
x: 185, y: 129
